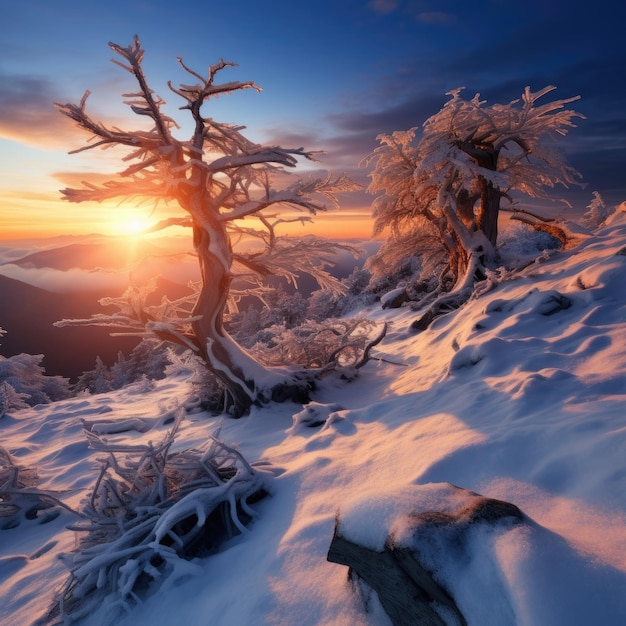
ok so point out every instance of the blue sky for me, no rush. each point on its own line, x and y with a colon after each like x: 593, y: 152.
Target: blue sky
x: 334, y: 73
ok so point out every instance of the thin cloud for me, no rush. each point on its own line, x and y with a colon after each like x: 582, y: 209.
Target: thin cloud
x: 384, y: 7
x: 66, y: 281
x: 27, y: 112
x: 307, y: 138
x: 181, y: 271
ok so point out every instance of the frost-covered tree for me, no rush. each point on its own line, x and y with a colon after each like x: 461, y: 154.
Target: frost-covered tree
x: 148, y: 359
x: 97, y: 380
x: 444, y: 192
x: 120, y: 372
x: 11, y: 400
x: 597, y: 211
x: 222, y: 182
x: 23, y: 382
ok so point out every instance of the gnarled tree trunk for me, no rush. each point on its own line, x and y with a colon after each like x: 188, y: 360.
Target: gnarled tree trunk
x: 245, y: 380
x: 489, y: 208
x: 470, y: 249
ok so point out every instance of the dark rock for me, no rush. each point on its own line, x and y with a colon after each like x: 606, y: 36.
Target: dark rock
x: 402, y: 579
x: 394, y: 299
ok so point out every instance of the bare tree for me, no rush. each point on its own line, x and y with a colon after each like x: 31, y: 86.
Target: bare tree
x: 218, y: 178
x: 448, y: 188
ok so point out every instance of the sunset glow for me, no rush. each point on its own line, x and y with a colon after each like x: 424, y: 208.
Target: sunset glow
x: 132, y: 225
x: 368, y: 78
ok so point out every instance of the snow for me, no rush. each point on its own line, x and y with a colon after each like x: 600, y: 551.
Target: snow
x: 520, y: 395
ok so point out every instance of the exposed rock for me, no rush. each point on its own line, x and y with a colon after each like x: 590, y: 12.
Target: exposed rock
x: 401, y: 573
x: 394, y: 299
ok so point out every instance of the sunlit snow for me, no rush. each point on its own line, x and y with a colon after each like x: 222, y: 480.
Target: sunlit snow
x: 519, y: 395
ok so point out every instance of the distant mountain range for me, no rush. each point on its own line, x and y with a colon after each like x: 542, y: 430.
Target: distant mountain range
x: 27, y: 312
x: 114, y: 254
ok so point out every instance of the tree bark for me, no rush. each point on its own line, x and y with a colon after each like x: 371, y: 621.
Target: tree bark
x: 465, y: 208
x: 489, y: 211
x: 470, y: 250
x: 451, y: 301
x: 489, y: 208
x: 245, y: 380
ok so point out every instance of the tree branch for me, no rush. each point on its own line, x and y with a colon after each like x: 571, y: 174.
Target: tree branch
x: 134, y: 55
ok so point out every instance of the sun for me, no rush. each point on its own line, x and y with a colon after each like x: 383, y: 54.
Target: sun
x: 132, y: 225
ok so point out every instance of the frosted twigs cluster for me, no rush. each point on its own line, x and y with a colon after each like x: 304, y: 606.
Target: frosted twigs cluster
x: 339, y: 344
x: 19, y: 497
x: 152, y: 511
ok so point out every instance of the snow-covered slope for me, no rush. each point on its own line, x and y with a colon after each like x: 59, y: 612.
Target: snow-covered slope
x: 520, y: 395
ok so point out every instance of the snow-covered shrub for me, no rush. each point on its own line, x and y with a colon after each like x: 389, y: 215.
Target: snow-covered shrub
x: 324, y: 304
x: 11, y: 399
x: 278, y: 308
x: 284, y: 308
x: 206, y: 389
x: 152, y: 511
x: 415, y: 264
x: 97, y: 380
x: 519, y: 243
x: 148, y: 360
x: 25, y: 374
x: 246, y: 324
x: 357, y: 282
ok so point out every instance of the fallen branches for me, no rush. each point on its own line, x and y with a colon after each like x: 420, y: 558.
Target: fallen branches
x: 150, y: 512
x: 555, y: 229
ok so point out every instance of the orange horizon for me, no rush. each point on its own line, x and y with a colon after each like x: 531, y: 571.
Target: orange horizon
x: 41, y: 215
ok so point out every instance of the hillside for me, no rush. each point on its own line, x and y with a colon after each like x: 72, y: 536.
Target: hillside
x: 519, y: 395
